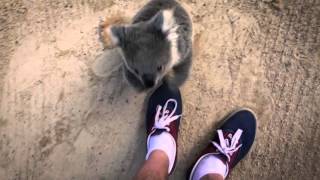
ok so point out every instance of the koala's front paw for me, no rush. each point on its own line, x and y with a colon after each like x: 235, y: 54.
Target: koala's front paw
x: 133, y: 80
x: 105, y: 24
x: 101, y: 37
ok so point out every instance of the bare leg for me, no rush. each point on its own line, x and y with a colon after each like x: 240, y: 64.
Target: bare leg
x: 155, y: 168
x: 212, y: 177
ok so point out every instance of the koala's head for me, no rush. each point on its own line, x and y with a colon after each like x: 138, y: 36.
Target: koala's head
x: 148, y: 48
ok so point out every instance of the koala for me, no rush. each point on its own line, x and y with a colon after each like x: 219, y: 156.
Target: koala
x: 156, y: 47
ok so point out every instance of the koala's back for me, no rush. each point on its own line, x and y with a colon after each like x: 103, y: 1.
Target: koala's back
x: 181, y: 18
x: 152, y: 8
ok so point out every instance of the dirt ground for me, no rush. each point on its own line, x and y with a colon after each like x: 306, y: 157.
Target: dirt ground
x: 66, y: 112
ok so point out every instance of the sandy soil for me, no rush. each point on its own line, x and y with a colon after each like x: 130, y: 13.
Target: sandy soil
x: 67, y: 113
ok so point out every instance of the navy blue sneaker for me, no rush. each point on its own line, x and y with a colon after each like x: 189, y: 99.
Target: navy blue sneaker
x: 164, y: 113
x: 232, y: 141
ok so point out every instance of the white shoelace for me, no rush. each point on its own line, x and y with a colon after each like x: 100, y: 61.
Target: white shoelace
x: 228, y: 148
x: 163, y: 118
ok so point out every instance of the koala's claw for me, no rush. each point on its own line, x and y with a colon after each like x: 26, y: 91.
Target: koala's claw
x: 101, y: 20
x: 100, y: 31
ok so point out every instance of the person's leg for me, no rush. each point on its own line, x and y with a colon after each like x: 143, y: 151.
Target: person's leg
x: 155, y: 167
x: 231, y: 143
x: 162, y: 122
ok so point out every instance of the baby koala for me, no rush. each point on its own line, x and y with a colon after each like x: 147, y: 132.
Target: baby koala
x: 156, y: 47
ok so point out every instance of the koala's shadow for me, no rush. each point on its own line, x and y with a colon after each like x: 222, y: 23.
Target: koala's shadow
x: 117, y: 99
x: 108, y: 71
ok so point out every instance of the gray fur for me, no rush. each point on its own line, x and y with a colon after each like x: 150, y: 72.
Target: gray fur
x: 146, y: 50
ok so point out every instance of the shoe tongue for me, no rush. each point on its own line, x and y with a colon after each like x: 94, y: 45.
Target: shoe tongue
x: 227, y: 134
x: 170, y: 107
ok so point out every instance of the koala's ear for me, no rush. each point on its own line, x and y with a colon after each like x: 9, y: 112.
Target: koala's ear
x: 117, y: 35
x: 164, y: 21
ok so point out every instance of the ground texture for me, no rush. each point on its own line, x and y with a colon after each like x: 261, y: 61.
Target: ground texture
x: 67, y: 113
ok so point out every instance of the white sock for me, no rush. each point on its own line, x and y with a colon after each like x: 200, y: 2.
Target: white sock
x: 164, y: 142
x: 209, y: 165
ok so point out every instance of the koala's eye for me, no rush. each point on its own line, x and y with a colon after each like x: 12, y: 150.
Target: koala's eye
x: 160, y: 68
x: 136, y: 71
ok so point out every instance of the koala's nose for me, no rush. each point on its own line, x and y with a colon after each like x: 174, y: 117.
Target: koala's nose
x: 148, y: 80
